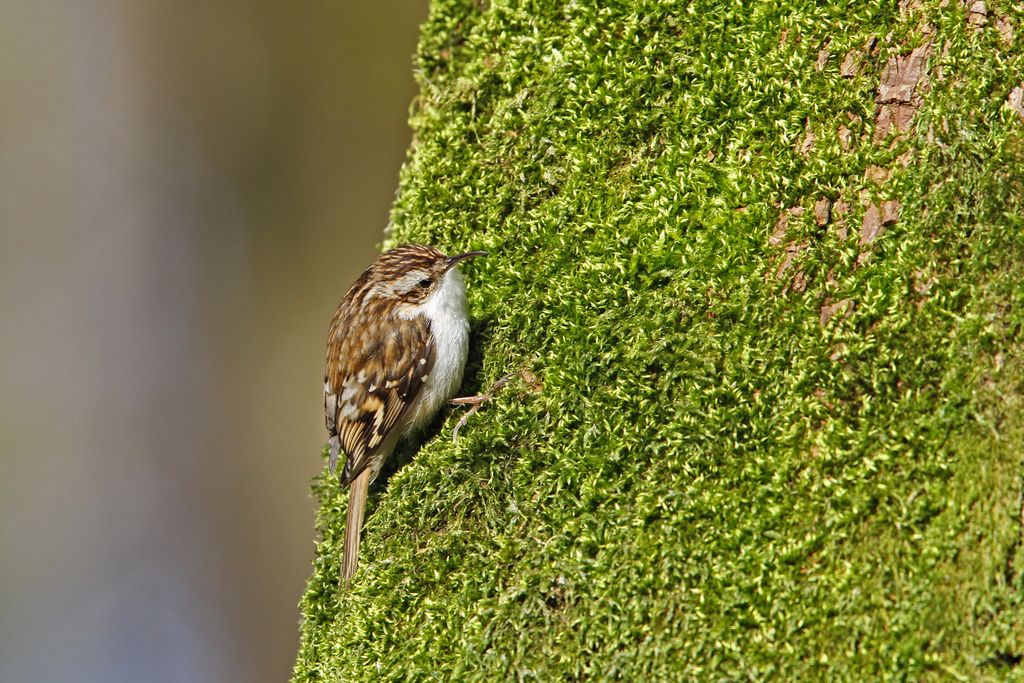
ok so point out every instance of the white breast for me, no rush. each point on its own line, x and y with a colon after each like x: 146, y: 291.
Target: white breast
x: 449, y: 325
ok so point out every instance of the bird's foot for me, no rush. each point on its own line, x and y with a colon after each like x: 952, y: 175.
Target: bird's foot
x: 475, y: 403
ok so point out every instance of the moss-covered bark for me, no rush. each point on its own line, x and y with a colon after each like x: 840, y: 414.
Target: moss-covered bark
x: 758, y: 271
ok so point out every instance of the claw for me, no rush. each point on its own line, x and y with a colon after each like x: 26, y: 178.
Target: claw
x: 475, y: 402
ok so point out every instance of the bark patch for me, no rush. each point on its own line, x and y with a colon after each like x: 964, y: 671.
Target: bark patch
x: 899, y: 91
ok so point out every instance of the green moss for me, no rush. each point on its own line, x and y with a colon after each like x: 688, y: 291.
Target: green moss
x: 695, y: 474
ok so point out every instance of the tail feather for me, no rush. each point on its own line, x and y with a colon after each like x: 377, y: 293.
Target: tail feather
x: 354, y: 524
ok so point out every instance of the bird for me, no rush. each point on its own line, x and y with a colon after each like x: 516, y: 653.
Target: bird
x: 396, y: 352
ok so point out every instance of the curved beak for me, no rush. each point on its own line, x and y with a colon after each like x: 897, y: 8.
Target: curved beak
x: 454, y: 260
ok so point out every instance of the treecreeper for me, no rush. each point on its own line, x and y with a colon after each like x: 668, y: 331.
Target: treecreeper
x: 396, y: 353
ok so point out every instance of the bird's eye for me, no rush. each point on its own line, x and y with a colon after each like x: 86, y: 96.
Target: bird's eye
x: 424, y: 283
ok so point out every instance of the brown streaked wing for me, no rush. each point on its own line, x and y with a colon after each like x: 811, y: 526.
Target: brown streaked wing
x: 385, y: 372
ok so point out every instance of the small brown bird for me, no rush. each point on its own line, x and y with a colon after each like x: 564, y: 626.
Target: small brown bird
x: 396, y: 352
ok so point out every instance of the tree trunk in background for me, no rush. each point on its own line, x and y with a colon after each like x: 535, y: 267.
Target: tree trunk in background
x: 758, y: 273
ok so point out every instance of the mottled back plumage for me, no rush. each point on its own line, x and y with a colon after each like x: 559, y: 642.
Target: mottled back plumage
x: 373, y: 375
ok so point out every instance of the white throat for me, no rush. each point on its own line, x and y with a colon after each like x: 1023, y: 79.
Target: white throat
x: 446, y: 310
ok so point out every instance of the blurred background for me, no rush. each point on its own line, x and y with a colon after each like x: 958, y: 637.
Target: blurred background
x: 186, y: 190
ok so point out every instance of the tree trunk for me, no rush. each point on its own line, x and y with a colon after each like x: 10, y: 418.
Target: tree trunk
x: 758, y: 273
